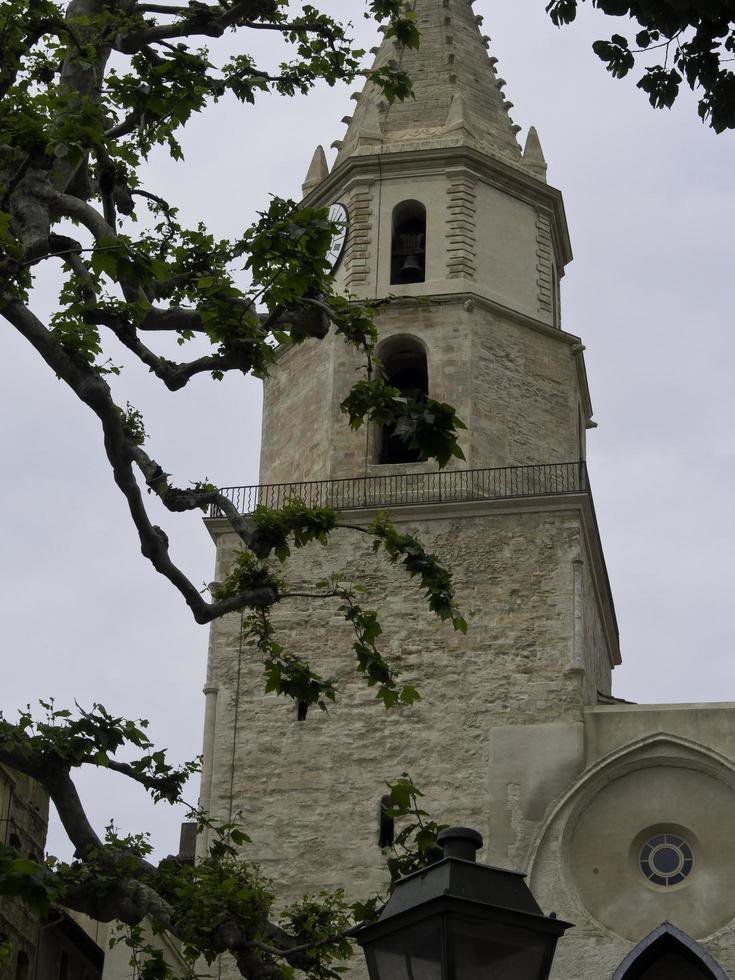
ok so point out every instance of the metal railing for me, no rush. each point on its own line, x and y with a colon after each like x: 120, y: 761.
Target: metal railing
x: 504, y: 482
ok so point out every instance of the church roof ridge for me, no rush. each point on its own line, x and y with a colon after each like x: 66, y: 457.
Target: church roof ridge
x: 458, y: 97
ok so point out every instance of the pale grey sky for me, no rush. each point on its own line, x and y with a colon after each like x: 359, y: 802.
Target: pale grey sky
x: 651, y: 207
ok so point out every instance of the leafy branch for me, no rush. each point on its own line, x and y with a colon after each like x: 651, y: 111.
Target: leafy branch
x: 415, y: 845
x: 699, y: 38
x: 436, y: 579
x: 221, y: 902
x: 275, y: 532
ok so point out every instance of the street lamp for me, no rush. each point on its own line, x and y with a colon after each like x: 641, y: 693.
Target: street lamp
x: 458, y: 920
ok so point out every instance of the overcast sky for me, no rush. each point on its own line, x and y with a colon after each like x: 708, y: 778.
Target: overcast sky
x: 651, y: 206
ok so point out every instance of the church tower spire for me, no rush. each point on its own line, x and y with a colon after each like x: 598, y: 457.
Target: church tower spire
x: 443, y: 211
x: 457, y: 99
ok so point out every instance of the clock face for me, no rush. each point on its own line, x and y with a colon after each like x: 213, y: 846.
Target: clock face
x: 337, y: 213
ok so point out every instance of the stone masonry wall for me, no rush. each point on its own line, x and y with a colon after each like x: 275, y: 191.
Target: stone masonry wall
x: 516, y: 388
x: 296, y: 424
x: 647, y: 767
x: 507, y: 251
x: 524, y: 398
x: 532, y: 762
x: 309, y: 791
x: 596, y: 661
x: 23, y: 822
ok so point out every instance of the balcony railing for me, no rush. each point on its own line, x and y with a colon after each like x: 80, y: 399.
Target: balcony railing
x: 504, y: 482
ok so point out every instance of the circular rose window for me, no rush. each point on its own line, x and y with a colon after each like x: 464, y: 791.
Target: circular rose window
x: 666, y: 859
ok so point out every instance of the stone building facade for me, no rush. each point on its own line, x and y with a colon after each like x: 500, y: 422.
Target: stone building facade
x: 617, y: 812
x: 23, y: 822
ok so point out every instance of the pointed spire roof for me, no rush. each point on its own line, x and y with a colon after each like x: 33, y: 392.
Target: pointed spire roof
x: 458, y: 100
x: 533, y: 155
x: 317, y: 172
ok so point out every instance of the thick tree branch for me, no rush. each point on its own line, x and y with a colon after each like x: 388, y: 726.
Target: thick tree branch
x: 166, y: 785
x: 68, y: 805
x: 68, y: 206
x: 122, y: 453
x: 174, y: 374
x: 175, y: 318
x: 86, y: 282
x: 210, y: 22
x: 82, y: 73
x: 160, y: 8
x: 134, y: 895
x: 126, y: 126
x: 129, y: 900
x: 17, y: 750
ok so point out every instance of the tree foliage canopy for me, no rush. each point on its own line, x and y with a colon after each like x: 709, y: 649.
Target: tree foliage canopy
x: 678, y: 40
x: 219, y: 904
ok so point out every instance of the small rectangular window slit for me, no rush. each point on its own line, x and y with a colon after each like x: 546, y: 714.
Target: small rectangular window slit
x: 386, y: 833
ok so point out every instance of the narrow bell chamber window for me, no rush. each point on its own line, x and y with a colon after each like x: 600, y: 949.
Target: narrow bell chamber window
x: 386, y: 834
x: 408, y: 246
x: 404, y: 367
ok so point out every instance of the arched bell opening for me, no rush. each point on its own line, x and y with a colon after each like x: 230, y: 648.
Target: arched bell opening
x: 408, y: 243
x: 668, y: 953
x: 405, y: 368
x: 386, y: 834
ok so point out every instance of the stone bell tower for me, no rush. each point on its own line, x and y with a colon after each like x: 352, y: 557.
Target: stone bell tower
x: 445, y: 213
x: 448, y: 215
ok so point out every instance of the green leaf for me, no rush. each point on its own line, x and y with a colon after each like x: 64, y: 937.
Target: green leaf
x: 106, y: 258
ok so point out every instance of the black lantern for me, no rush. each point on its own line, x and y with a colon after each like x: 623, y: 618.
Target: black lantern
x: 458, y: 920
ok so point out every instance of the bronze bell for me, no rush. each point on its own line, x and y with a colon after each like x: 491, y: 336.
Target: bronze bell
x: 412, y: 270
x: 404, y: 429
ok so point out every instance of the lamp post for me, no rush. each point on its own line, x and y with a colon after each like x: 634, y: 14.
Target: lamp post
x: 458, y: 920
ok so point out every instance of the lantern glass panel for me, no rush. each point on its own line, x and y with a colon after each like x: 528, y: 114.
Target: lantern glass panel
x: 482, y: 950
x: 414, y: 953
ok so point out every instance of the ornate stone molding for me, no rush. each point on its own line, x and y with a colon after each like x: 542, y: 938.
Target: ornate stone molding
x: 544, y: 264
x: 357, y: 251
x: 577, y: 663
x: 461, y: 224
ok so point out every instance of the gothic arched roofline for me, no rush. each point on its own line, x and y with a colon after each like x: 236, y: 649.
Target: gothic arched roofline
x: 667, y: 929
x: 619, y: 762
